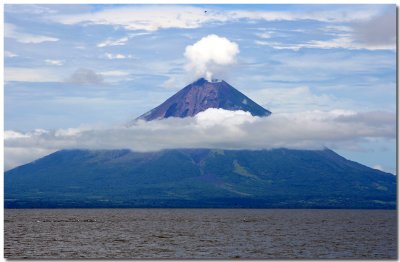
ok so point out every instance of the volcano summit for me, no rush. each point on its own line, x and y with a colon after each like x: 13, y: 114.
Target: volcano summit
x: 201, y: 95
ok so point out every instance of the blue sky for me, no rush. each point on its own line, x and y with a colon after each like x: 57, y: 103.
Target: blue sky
x: 68, y: 66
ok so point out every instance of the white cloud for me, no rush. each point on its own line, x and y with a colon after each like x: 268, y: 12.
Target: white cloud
x: 210, y: 55
x: 265, y: 34
x: 17, y: 156
x: 115, y: 56
x: 30, y: 75
x: 345, y: 41
x: 9, y: 134
x: 54, y: 62
x: 132, y: 35
x: 379, y: 167
x: 11, y: 31
x: 213, y: 128
x: 343, y: 15
x: 9, y: 54
x: 113, y: 42
x: 151, y: 18
x: 348, y: 42
x: 142, y: 17
x: 376, y: 32
x: 121, y: 41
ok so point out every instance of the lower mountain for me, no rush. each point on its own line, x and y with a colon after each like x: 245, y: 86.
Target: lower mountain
x: 278, y: 178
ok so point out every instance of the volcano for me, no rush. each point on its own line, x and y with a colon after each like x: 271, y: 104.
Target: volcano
x: 201, y: 95
x: 202, y: 178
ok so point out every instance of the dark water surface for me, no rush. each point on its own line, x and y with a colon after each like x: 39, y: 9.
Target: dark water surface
x: 200, y: 233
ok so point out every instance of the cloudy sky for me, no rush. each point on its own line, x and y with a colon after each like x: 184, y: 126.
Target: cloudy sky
x: 76, y: 74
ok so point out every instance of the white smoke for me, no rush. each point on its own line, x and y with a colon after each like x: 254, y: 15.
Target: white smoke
x: 210, y: 55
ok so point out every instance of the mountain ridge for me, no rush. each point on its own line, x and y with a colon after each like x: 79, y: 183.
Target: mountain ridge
x: 278, y: 178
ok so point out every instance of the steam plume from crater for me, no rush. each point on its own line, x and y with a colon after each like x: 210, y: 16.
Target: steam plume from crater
x: 210, y: 56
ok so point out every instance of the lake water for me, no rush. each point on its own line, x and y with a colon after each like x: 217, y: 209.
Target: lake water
x: 200, y: 233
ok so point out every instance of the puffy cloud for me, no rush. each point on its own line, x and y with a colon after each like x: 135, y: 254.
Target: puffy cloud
x: 85, y: 76
x: 213, y: 128
x: 210, y: 55
x: 11, y: 31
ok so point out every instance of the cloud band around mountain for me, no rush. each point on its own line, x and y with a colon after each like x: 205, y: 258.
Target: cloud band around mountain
x: 213, y: 128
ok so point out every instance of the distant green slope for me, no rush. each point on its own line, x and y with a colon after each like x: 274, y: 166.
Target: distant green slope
x: 279, y: 178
